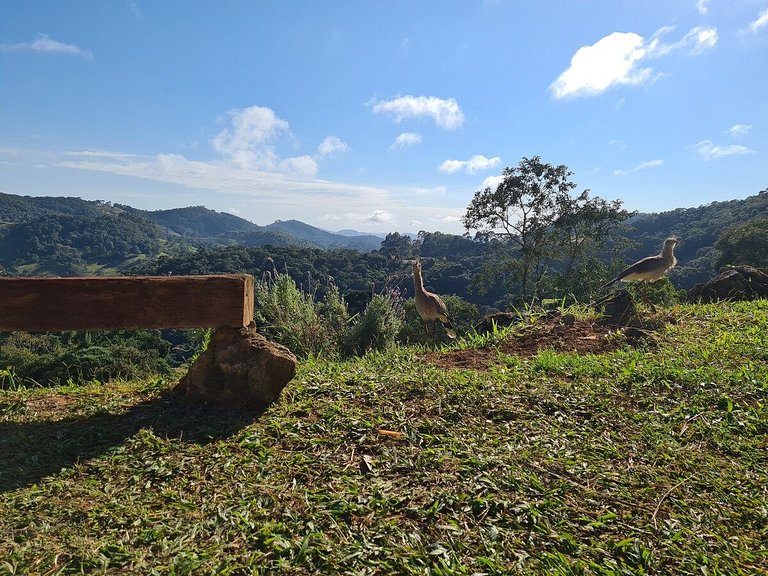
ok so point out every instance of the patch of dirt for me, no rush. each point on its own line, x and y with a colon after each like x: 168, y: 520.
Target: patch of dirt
x: 580, y: 336
x: 50, y: 403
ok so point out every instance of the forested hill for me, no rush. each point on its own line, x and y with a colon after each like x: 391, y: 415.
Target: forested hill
x: 70, y: 236
x: 199, y: 222
x: 325, y: 239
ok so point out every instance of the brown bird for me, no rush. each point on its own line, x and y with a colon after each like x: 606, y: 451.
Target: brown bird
x: 429, y: 306
x: 649, y: 269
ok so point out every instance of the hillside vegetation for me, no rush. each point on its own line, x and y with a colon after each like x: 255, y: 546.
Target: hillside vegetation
x: 69, y: 236
x: 649, y: 460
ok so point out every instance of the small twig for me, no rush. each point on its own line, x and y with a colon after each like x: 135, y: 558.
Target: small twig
x: 688, y: 420
x: 667, y: 493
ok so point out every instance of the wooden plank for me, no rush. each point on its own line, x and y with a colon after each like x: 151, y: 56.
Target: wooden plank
x: 125, y: 302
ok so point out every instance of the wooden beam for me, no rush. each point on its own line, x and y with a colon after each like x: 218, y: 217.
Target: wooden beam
x: 125, y: 302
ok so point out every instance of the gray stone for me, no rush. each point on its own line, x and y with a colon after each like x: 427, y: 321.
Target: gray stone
x: 240, y: 368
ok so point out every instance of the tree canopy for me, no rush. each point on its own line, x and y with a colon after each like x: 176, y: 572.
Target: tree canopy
x: 545, y: 229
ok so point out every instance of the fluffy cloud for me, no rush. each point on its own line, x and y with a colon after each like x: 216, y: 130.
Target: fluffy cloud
x: 300, y: 166
x: 247, y: 143
x: 702, y: 6
x: 492, y: 182
x: 641, y: 166
x: 380, y: 216
x: 619, y: 58
x: 44, y: 44
x: 739, y: 130
x: 332, y: 146
x: 477, y: 163
x: 760, y: 22
x: 445, y: 113
x: 406, y: 139
x: 711, y: 151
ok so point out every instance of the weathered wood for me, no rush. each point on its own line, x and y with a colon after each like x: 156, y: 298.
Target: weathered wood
x: 125, y: 302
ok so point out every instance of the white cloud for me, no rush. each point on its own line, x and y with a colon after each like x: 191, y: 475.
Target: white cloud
x: 243, y: 163
x: 702, y: 6
x: 760, y: 22
x: 248, y: 143
x: 445, y: 112
x: 44, y: 44
x: 619, y: 58
x: 711, y: 151
x: 492, y: 182
x: 331, y: 146
x: 641, y: 166
x: 477, y: 163
x: 300, y: 166
x: 436, y: 191
x: 406, y: 139
x: 380, y: 216
x: 696, y: 41
x: 739, y: 130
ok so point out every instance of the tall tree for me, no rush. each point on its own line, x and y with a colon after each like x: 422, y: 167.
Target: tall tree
x: 533, y: 210
x: 584, y: 224
x: 522, y: 208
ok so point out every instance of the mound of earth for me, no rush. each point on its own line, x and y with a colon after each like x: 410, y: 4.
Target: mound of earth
x: 577, y: 336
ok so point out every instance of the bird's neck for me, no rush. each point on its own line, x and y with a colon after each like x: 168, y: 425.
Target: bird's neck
x: 418, y: 281
x: 668, y: 256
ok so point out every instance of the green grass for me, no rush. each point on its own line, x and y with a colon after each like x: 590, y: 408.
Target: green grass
x: 640, y: 461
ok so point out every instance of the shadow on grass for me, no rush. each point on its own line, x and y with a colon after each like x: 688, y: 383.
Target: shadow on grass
x: 30, y: 451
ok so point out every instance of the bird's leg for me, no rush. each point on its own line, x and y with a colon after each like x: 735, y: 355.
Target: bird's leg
x: 426, y: 332
x: 646, y: 300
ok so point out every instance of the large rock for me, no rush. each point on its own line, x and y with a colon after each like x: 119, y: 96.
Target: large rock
x: 500, y: 319
x: 732, y: 283
x: 240, y: 368
x: 618, y: 310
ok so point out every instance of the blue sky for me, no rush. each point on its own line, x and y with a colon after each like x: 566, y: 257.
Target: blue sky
x: 380, y: 116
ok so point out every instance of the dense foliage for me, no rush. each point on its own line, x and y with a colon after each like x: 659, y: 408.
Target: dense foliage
x: 745, y: 243
x: 546, y: 232
x: 79, y: 357
x: 66, y: 245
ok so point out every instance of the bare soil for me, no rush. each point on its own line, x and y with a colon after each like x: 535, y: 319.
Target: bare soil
x: 580, y: 336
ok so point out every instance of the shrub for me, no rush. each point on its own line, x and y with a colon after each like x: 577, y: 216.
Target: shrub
x: 291, y: 317
x: 376, y: 327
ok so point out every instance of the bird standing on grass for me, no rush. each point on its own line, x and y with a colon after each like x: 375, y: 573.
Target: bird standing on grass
x: 648, y: 269
x: 429, y: 306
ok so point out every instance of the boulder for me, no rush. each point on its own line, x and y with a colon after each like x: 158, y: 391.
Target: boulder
x: 732, y: 283
x: 240, y: 368
x: 618, y: 310
x: 501, y: 319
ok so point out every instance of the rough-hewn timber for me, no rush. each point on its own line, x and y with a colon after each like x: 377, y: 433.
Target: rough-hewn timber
x: 125, y: 302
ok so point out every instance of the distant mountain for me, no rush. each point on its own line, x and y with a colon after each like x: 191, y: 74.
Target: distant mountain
x: 199, y: 222
x: 349, y: 232
x: 324, y: 239
x: 67, y: 235
x: 15, y: 208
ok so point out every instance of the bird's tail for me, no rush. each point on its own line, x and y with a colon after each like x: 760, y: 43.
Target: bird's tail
x: 449, y: 328
x: 609, y: 284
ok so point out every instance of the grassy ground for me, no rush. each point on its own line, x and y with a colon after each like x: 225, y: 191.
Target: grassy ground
x: 628, y: 462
